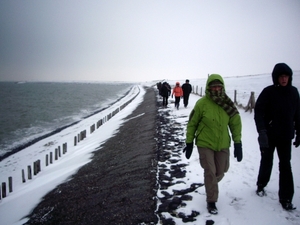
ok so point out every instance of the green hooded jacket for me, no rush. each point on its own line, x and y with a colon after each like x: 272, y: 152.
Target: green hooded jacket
x: 209, y: 124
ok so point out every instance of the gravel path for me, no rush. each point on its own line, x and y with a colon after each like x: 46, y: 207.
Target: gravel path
x: 119, y: 185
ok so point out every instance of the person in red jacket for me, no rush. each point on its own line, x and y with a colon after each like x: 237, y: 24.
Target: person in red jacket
x: 178, y: 92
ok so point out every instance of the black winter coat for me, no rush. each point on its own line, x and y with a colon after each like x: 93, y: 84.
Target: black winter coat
x: 187, y: 89
x: 277, y: 110
x: 165, y: 90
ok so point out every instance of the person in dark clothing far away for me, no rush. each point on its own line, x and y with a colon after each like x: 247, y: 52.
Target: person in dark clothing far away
x: 277, y: 117
x: 165, y: 92
x: 187, y: 89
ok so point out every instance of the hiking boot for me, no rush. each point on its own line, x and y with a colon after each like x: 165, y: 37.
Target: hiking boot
x: 260, y: 191
x: 211, y: 207
x: 287, y: 205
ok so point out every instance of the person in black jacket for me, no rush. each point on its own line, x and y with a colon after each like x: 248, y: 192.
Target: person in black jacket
x: 165, y: 92
x: 277, y: 117
x: 187, y: 89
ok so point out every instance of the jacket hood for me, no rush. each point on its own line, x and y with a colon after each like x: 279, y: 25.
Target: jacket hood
x: 279, y: 69
x: 211, y: 78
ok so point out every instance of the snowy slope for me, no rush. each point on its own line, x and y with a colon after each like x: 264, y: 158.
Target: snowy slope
x: 238, y: 202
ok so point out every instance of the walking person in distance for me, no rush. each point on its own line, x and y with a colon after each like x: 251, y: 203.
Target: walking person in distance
x: 209, y: 123
x: 165, y: 92
x: 187, y: 89
x: 177, y: 91
x: 277, y: 117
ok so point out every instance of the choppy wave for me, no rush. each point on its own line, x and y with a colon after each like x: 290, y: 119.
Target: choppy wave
x: 33, y: 111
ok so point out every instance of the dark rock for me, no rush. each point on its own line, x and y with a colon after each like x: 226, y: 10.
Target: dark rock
x: 209, y: 222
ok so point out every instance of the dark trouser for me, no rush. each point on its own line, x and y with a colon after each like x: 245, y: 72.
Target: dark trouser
x: 177, y: 100
x: 165, y: 100
x: 186, y: 100
x: 286, y: 183
x: 215, y: 165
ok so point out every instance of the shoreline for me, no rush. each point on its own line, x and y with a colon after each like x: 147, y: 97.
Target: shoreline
x: 118, y: 185
x: 50, y: 133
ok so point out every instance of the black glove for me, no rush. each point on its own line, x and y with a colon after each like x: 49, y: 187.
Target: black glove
x: 297, y: 141
x: 263, y: 139
x: 238, y: 152
x: 188, y: 150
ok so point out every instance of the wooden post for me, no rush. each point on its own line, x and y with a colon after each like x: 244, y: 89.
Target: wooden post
x: 23, y: 176
x: 83, y: 134
x: 10, y: 184
x: 29, y: 172
x: 92, y: 129
x: 251, y: 102
x: 34, y: 168
x: 234, y: 98
x: 38, y: 166
x: 59, y: 153
x: 56, y: 154
x: 47, y: 160
x: 75, y: 141
x: 64, y: 148
x: 51, y: 157
x: 3, y: 189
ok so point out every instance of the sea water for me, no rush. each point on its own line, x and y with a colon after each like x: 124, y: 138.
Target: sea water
x: 30, y: 110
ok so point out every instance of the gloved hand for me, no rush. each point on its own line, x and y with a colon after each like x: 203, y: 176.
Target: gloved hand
x: 188, y: 150
x: 238, y: 152
x: 263, y: 139
x: 297, y: 141
x: 172, y: 96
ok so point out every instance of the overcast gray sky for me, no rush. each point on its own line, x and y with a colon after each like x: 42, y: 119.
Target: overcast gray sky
x: 139, y: 40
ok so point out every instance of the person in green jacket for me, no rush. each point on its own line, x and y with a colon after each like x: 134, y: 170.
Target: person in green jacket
x: 209, y: 124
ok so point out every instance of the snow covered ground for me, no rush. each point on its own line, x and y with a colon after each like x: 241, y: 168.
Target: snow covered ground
x: 238, y: 203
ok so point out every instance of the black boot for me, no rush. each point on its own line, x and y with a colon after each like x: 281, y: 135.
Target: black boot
x: 287, y: 205
x: 260, y: 191
x: 211, y: 207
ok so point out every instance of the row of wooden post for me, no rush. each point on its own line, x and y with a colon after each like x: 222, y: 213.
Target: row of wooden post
x: 3, y: 192
x: 57, y: 153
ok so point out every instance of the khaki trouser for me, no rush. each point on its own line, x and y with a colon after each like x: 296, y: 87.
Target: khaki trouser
x: 215, y: 164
